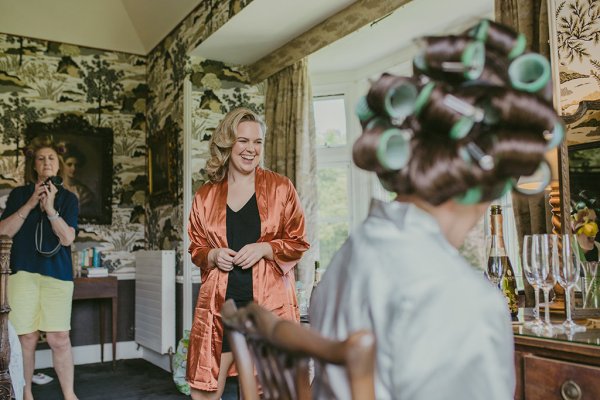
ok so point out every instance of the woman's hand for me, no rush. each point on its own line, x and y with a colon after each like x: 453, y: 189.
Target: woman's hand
x: 35, y: 198
x: 250, y: 254
x: 222, y: 258
x: 47, y: 198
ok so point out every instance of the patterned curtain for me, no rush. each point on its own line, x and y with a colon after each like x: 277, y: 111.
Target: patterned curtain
x: 290, y: 148
x: 531, y: 19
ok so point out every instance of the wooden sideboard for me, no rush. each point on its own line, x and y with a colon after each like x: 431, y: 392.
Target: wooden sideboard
x: 557, y: 368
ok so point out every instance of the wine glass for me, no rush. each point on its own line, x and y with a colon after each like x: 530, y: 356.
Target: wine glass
x: 591, y: 285
x: 545, y: 256
x: 495, y: 267
x: 532, y: 274
x: 567, y: 274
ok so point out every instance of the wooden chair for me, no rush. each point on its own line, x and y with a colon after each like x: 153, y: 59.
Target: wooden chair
x: 280, y: 351
x: 5, y: 381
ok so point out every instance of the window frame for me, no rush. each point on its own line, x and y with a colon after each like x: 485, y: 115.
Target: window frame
x: 337, y: 156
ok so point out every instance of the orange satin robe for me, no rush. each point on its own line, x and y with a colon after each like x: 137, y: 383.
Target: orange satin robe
x: 281, y: 225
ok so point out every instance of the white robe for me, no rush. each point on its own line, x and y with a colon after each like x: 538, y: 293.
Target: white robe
x: 442, y: 330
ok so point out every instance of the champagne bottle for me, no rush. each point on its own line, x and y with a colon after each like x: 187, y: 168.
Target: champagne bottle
x: 498, y: 254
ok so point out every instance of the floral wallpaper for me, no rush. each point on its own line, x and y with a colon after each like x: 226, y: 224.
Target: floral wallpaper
x: 578, y: 53
x: 40, y: 80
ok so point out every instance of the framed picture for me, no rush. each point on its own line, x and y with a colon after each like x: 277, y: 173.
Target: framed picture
x: 162, y: 167
x: 88, y: 160
x: 584, y: 170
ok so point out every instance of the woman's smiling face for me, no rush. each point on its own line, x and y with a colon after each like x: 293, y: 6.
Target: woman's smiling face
x: 247, y: 149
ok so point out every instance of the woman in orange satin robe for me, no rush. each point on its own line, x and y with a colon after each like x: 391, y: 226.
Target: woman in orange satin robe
x: 238, y: 183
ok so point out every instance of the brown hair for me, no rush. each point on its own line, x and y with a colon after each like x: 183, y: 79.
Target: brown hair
x: 223, y: 139
x: 466, y: 132
x: 38, y: 143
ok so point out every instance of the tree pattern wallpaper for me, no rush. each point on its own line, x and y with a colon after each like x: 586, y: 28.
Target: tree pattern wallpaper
x: 217, y: 88
x: 137, y: 97
x: 40, y: 80
x: 168, y: 65
x: 577, y: 50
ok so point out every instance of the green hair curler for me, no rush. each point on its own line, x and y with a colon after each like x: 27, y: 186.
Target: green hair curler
x: 555, y: 137
x: 362, y: 110
x: 461, y: 128
x: 393, y: 149
x: 536, y: 182
x: 471, y: 196
x: 473, y: 57
x: 400, y: 100
x: 529, y: 72
x: 518, y: 48
x: 423, y: 97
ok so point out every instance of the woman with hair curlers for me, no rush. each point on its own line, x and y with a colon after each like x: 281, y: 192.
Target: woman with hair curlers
x: 443, y: 331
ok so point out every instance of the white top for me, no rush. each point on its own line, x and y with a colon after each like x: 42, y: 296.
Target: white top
x: 442, y: 330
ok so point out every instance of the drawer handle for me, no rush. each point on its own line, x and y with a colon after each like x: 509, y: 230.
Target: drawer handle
x: 570, y: 391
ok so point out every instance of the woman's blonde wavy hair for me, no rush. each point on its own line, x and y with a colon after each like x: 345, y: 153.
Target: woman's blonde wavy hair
x: 223, y: 140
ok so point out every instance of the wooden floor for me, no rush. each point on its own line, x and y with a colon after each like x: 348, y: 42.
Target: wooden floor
x: 131, y: 379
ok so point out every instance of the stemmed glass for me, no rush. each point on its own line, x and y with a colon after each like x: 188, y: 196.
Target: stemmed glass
x: 545, y: 257
x: 532, y: 274
x: 591, y: 284
x: 495, y: 267
x: 567, y: 274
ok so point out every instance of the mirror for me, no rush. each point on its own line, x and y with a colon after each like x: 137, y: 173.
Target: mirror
x: 385, y: 44
x: 577, y: 95
x: 340, y: 77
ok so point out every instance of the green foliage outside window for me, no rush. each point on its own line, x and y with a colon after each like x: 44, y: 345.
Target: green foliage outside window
x: 333, y: 211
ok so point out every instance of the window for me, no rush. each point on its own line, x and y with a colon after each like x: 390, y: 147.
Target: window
x: 333, y: 174
x: 344, y: 190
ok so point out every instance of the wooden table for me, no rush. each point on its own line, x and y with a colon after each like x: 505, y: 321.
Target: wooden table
x: 561, y: 365
x: 100, y: 289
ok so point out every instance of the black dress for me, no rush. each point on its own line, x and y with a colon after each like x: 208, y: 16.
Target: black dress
x: 243, y: 227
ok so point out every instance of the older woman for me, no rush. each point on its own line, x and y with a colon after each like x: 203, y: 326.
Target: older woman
x: 41, y: 218
x: 247, y: 234
x: 447, y: 141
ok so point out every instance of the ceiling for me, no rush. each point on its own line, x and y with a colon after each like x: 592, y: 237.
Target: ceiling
x: 131, y: 26
x: 137, y: 26
x: 395, y: 34
x: 265, y: 25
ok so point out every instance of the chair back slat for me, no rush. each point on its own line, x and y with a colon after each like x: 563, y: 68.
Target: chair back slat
x: 281, y: 350
x: 243, y: 359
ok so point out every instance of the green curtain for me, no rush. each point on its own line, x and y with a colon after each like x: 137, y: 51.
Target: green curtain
x: 290, y: 148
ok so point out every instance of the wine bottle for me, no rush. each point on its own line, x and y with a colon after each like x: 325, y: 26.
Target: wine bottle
x: 498, y: 254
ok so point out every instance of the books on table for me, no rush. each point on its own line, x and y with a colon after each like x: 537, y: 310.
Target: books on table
x: 94, y: 272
